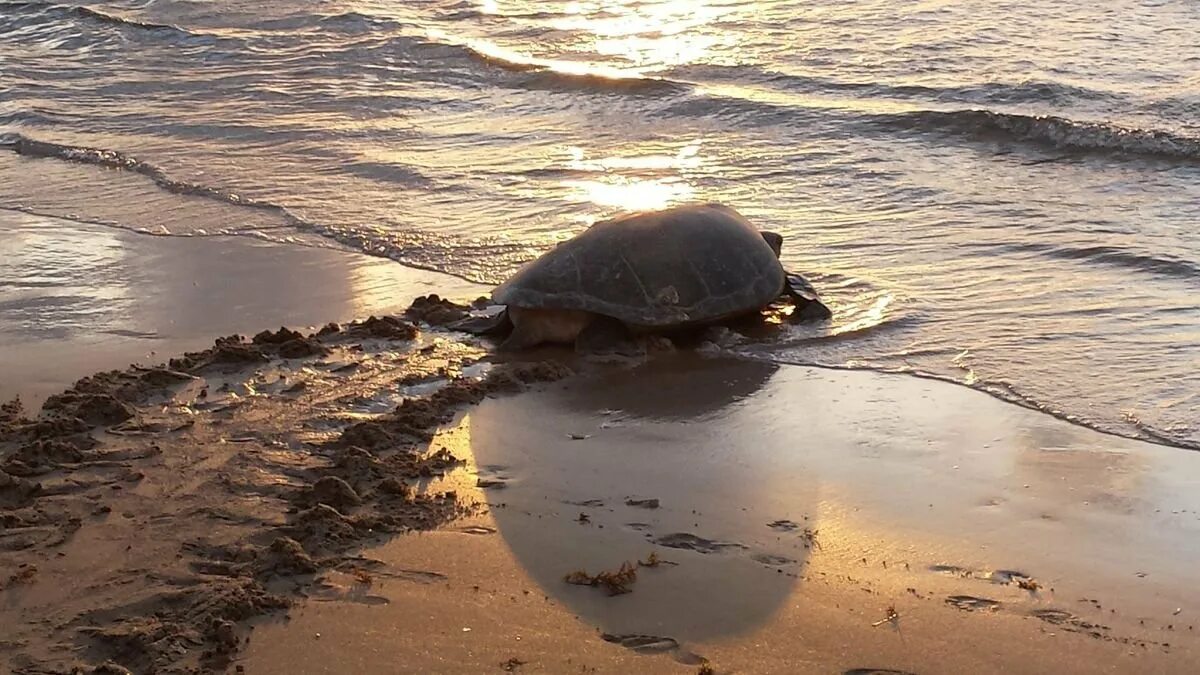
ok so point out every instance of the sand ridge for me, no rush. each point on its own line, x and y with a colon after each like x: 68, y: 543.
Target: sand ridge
x: 148, y: 513
x: 156, y: 519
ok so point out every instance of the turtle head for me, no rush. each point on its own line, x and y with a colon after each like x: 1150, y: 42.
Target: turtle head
x: 774, y: 240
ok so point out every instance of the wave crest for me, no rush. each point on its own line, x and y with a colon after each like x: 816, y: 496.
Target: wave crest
x: 1120, y: 257
x: 537, y: 75
x: 93, y: 15
x: 1058, y: 132
x: 479, y: 260
x: 113, y: 159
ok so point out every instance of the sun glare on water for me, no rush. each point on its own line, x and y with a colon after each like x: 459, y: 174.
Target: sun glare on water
x: 644, y: 35
x: 621, y: 40
x: 619, y: 186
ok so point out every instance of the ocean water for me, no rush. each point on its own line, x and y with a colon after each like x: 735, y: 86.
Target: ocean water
x: 1001, y: 194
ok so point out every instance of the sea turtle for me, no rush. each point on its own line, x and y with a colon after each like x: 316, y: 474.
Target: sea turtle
x: 656, y: 271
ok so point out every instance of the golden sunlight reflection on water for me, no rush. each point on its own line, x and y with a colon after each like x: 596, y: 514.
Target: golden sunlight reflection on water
x: 658, y: 34
x: 634, y: 193
x: 624, y: 39
x: 644, y: 35
x: 868, y: 317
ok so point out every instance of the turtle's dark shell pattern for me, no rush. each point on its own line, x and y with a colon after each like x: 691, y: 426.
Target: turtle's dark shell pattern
x: 689, y: 264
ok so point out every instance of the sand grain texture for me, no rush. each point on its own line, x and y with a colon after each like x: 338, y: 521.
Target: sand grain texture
x: 147, y: 514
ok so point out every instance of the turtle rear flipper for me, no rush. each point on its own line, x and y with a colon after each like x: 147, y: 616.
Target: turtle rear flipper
x: 805, y: 299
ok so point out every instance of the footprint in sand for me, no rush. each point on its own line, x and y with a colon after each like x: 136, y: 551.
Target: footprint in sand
x: 971, y: 603
x: 772, y: 560
x: 950, y: 570
x: 784, y: 525
x: 1054, y: 616
x: 994, y: 576
x: 691, y: 542
x: 477, y: 529
x: 653, y: 644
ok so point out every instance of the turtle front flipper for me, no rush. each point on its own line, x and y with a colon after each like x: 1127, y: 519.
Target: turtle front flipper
x: 532, y: 327
x: 492, y: 325
x: 805, y: 299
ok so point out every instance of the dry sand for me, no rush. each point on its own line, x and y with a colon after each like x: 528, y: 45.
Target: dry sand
x: 389, y: 498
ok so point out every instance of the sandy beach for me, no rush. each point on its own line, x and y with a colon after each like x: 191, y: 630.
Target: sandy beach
x: 391, y: 497
x: 797, y: 508
x: 886, y: 314
x: 81, y: 298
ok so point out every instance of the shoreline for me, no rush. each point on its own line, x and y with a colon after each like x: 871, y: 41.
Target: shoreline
x: 762, y: 538
x: 992, y: 563
x: 108, y: 297
x: 34, y: 367
x: 1019, y: 401
x: 364, y: 494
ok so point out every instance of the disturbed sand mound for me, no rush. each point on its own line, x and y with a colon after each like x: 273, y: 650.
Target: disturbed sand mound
x: 184, y: 500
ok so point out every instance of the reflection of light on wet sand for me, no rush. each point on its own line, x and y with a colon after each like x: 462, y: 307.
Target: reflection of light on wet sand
x: 375, y: 283
x: 898, y: 476
x: 1061, y: 470
x: 462, y: 480
x: 49, y: 262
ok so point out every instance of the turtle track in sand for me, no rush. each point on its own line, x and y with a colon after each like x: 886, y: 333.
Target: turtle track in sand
x: 147, y: 514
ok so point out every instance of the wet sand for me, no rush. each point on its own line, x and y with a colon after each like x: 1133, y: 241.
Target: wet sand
x: 77, y: 298
x: 795, y: 507
x: 391, y: 497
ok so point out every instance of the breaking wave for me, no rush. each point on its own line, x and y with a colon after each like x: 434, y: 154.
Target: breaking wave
x: 1057, y: 132
x: 112, y: 159
x: 414, y: 248
x: 90, y: 15
x: 1110, y: 255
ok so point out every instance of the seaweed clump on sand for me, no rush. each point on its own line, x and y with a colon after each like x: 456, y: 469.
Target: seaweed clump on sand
x: 614, y: 583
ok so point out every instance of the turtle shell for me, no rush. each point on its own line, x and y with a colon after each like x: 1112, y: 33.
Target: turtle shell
x: 688, y: 264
